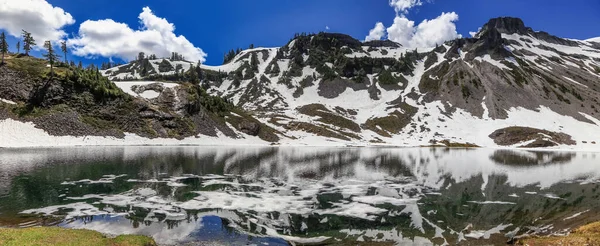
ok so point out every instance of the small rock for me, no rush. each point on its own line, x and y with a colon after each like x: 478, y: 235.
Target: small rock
x: 250, y: 128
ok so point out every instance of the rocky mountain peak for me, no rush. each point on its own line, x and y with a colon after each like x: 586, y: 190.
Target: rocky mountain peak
x: 508, y: 25
x: 512, y: 25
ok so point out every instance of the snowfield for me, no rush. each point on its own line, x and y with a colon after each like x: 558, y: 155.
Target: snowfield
x: 149, y: 94
x: 460, y: 127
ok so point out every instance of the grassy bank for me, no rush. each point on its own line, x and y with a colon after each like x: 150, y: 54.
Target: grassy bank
x: 60, y: 236
x: 585, y: 235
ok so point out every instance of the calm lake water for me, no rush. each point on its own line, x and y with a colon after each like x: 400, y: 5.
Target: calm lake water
x: 274, y: 196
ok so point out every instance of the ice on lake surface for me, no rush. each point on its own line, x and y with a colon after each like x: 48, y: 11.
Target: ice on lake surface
x: 276, y: 196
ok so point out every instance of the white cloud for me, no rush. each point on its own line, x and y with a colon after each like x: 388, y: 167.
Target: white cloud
x: 402, y: 31
x: 326, y: 27
x: 108, y: 38
x: 376, y: 33
x: 41, y: 19
x: 402, y: 6
x: 427, y: 34
x: 435, y: 31
x: 473, y: 34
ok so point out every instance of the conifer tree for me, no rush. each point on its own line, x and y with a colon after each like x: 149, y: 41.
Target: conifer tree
x: 63, y: 47
x: 18, y: 47
x: 50, y: 56
x: 193, y: 74
x: 3, y: 46
x: 28, y: 42
x: 199, y: 71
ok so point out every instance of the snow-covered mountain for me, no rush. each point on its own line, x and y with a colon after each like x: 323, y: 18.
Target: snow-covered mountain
x: 596, y: 39
x: 508, y: 86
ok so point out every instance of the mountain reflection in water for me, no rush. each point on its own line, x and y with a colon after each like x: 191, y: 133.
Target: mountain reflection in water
x: 279, y: 195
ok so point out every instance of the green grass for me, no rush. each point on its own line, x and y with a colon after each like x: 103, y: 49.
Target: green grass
x: 328, y: 117
x: 29, y: 65
x: 584, y: 235
x: 60, y: 236
x: 393, y: 123
x: 265, y: 133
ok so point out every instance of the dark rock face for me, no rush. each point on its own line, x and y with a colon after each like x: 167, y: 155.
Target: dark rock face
x: 382, y: 43
x: 540, y: 138
x: 332, y: 89
x: 554, y: 39
x: 508, y: 25
x: 158, y: 87
x: 250, y: 128
x: 490, y: 42
x: 68, y: 124
x: 19, y: 88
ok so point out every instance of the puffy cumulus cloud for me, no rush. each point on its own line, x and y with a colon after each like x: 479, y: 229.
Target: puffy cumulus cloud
x: 41, y: 19
x: 376, y: 33
x: 402, y: 6
x: 401, y: 31
x: 436, y: 31
x: 427, y: 34
x: 156, y: 35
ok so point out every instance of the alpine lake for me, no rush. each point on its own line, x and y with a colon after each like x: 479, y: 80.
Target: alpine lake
x: 302, y: 195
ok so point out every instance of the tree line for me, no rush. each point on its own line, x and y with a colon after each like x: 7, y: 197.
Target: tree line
x: 228, y: 57
x: 50, y: 54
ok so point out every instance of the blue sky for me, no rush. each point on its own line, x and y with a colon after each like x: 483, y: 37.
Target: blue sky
x: 217, y: 26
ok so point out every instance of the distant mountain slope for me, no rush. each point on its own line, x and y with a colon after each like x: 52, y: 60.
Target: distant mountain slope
x: 597, y: 39
x: 331, y: 87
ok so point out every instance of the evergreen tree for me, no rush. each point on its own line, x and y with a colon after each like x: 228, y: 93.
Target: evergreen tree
x: 228, y: 56
x: 28, y: 42
x: 199, y: 71
x: 275, y: 69
x: 63, y: 47
x: 141, y: 56
x: 18, y: 47
x: 254, y: 62
x: 193, y: 75
x: 251, y: 46
x: 72, y: 64
x: 50, y: 56
x: 3, y: 46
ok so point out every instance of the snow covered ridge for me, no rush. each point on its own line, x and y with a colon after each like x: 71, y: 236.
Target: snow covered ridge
x: 331, y: 89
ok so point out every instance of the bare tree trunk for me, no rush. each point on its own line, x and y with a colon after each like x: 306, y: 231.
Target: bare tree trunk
x: 2, y: 58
